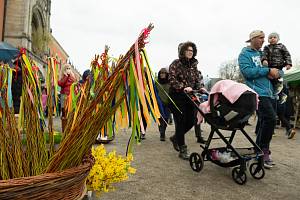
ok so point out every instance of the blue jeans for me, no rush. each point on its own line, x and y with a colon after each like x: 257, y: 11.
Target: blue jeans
x: 266, y: 122
x: 163, y: 120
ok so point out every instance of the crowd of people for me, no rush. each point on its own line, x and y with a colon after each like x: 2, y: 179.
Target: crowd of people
x: 262, y: 72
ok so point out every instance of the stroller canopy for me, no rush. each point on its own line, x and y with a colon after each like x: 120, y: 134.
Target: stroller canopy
x: 230, y: 103
x: 231, y: 90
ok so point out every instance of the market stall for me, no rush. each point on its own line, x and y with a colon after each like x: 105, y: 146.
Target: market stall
x: 292, y: 77
x: 7, y: 52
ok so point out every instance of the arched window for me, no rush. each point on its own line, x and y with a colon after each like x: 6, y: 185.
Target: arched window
x: 39, y: 35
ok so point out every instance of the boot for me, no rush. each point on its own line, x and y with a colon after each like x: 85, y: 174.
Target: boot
x: 162, y: 136
x: 183, y: 154
x: 174, y: 142
x: 162, y: 130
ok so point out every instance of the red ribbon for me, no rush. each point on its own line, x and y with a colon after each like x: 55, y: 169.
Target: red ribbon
x: 22, y: 51
x: 146, y: 33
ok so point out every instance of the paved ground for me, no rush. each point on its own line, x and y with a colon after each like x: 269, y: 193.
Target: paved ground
x: 161, y: 175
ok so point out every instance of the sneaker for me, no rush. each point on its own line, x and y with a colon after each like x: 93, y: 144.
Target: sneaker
x: 268, y: 165
x: 271, y: 162
x: 174, y: 142
x: 283, y: 99
x: 291, y: 133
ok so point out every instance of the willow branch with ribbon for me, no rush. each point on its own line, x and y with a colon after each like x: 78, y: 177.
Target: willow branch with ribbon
x: 99, y: 101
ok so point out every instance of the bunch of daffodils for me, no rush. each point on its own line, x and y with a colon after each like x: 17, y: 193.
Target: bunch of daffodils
x: 108, y: 168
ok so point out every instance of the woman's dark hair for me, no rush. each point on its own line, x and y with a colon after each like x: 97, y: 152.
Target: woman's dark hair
x: 182, y: 47
x: 85, y: 74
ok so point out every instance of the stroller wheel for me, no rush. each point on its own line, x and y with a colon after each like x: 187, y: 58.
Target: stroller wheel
x: 257, y: 172
x: 239, y: 176
x: 196, y: 162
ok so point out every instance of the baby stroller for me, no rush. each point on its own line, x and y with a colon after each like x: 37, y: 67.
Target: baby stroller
x: 233, y: 117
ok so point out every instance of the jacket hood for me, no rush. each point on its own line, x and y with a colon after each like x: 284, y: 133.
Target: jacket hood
x: 163, y: 70
x: 182, y: 47
x: 249, y: 49
x: 165, y: 80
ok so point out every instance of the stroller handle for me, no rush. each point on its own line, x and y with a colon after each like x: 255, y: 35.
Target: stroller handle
x: 201, y: 91
x: 196, y: 96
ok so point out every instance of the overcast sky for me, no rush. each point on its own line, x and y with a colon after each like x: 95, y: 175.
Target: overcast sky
x: 218, y: 27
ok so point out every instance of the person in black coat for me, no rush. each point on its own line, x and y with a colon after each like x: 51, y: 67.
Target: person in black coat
x: 17, y: 86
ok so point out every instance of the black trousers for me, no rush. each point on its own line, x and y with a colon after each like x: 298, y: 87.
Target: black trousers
x: 281, y: 110
x: 183, y: 121
x: 162, y: 127
x: 266, y: 122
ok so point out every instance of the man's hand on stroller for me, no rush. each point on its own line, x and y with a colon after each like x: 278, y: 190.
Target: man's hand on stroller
x: 188, y: 89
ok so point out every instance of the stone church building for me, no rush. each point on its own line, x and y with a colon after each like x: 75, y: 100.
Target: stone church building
x: 26, y: 19
x: 26, y: 23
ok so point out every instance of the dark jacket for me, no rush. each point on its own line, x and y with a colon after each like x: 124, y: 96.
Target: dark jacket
x: 16, y: 89
x: 277, y: 56
x: 183, y: 72
x: 163, y: 87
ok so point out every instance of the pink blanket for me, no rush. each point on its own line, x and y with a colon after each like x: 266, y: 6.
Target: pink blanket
x: 230, y: 89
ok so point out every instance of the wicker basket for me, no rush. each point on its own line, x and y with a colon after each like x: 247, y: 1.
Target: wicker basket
x: 68, y: 184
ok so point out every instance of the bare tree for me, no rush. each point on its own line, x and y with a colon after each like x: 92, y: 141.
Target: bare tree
x: 230, y: 70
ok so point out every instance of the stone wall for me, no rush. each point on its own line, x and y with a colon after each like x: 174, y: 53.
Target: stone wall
x: 2, y: 15
x: 16, y: 18
x: 19, y: 20
x: 19, y: 15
